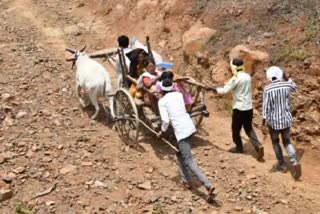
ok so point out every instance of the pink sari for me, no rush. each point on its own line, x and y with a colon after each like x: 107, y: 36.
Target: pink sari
x: 186, y: 95
x: 178, y: 86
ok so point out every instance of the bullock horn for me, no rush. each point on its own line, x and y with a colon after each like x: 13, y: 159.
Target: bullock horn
x: 85, y: 46
x: 71, y: 59
x: 70, y: 50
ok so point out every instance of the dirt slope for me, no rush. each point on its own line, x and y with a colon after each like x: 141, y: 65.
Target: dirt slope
x: 286, y: 30
x: 45, y: 138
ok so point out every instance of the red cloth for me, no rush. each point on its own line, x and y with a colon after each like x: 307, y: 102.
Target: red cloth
x: 147, y: 80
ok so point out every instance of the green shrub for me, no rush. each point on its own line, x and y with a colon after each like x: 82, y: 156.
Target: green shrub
x: 22, y: 209
x: 159, y: 208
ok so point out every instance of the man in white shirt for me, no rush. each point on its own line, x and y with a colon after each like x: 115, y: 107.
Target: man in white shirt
x: 240, y: 85
x: 123, y: 42
x: 172, y: 109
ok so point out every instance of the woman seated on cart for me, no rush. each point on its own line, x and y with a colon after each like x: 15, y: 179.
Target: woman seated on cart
x: 152, y: 78
x: 149, y: 80
x: 137, y: 67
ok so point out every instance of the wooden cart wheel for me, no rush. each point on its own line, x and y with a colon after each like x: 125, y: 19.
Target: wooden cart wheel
x: 197, y: 120
x: 126, y: 113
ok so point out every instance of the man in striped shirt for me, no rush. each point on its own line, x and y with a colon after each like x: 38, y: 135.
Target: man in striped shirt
x: 276, y: 112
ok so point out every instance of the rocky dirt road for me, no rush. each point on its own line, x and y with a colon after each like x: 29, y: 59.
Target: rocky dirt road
x: 46, y: 139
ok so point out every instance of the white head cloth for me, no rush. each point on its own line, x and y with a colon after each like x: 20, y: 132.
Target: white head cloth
x: 166, y: 88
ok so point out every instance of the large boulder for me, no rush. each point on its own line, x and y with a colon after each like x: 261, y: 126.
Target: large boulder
x: 219, y: 73
x: 250, y: 57
x: 196, y: 38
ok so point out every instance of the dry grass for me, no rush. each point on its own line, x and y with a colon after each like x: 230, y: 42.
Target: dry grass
x: 311, y: 29
x: 289, y: 52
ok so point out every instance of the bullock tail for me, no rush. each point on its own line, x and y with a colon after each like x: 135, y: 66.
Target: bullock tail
x: 104, y: 88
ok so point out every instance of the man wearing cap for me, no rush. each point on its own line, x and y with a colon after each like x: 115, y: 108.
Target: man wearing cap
x: 172, y: 110
x: 240, y: 85
x: 276, y: 112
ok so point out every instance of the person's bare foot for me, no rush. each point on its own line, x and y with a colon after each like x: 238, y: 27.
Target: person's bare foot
x: 186, y: 185
x: 211, y: 190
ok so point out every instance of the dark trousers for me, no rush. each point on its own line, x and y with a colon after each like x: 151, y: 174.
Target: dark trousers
x: 285, y: 135
x: 243, y: 119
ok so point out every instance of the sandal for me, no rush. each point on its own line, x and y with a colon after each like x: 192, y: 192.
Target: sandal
x: 211, y: 191
x: 260, y: 152
x: 186, y: 185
